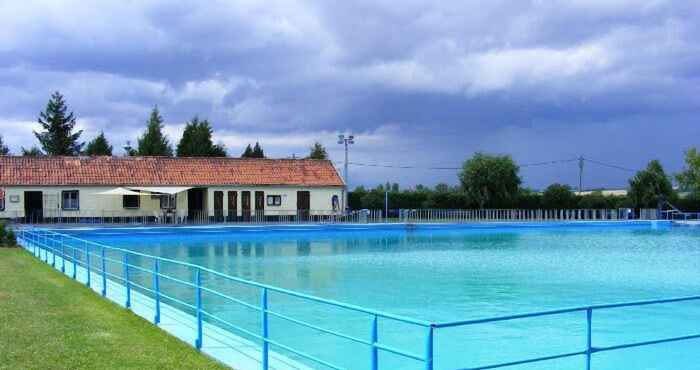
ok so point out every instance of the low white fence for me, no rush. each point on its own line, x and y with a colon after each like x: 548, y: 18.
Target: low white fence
x: 135, y: 217
x: 484, y: 215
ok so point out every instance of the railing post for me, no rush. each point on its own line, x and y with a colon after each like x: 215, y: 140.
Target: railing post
x: 156, y: 290
x: 53, y: 255
x: 589, y: 347
x: 126, y: 281
x: 75, y: 262
x: 198, y: 301
x: 104, y: 272
x: 375, y: 339
x: 265, y: 329
x: 63, y: 256
x: 429, y: 349
x: 87, y: 264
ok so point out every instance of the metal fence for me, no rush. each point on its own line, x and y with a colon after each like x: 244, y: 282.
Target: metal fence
x: 69, y: 253
x: 174, y: 217
x: 479, y: 215
x: 118, y: 265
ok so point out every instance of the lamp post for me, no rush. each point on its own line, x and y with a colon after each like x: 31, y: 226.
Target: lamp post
x: 350, y: 139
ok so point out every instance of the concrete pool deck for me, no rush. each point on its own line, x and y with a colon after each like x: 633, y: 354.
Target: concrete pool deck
x: 218, y: 343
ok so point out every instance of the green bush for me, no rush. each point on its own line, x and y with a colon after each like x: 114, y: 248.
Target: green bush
x: 7, y: 236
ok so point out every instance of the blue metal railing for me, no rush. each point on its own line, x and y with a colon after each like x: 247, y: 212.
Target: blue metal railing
x: 83, y: 253
x: 78, y: 252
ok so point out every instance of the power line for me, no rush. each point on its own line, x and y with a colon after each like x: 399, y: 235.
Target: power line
x: 359, y: 164
x: 610, y: 165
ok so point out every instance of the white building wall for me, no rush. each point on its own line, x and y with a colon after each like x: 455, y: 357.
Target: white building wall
x: 95, y: 205
x: 321, y: 198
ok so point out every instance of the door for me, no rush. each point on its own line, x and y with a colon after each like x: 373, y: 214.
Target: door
x: 232, y: 205
x: 218, y: 206
x: 245, y: 205
x: 303, y: 204
x: 195, y: 204
x: 34, y: 206
x: 259, y: 205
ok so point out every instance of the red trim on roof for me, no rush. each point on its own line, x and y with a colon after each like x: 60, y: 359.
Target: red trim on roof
x: 164, y: 171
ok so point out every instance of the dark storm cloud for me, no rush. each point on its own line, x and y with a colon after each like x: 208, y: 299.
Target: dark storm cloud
x: 421, y: 83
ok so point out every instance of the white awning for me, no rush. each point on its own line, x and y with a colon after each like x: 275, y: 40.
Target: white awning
x: 161, y: 189
x: 120, y: 191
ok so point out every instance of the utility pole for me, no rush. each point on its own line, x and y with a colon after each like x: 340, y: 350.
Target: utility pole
x: 346, y: 141
x: 580, y: 175
x: 386, y: 204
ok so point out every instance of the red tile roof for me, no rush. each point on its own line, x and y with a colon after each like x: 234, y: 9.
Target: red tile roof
x: 164, y: 171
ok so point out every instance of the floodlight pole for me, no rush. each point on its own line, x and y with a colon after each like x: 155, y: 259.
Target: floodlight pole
x: 580, y: 175
x: 350, y: 139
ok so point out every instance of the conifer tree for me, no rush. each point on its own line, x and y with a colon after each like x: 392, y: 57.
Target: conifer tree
x: 318, y: 151
x: 154, y: 142
x: 248, y: 152
x: 4, y: 150
x: 99, y: 146
x: 196, y: 141
x: 57, y: 137
x: 258, y: 151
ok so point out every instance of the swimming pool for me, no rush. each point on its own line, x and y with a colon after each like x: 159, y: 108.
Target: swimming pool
x: 453, y: 273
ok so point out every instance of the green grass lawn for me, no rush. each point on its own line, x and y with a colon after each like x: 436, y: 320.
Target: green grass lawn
x: 48, y: 321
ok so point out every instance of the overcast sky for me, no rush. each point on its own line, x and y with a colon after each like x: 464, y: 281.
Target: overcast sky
x: 421, y: 83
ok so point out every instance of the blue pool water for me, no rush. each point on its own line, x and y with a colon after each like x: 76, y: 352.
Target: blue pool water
x: 450, y: 274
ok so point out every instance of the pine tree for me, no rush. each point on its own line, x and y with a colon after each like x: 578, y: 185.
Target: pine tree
x: 99, y: 146
x: 196, y: 141
x: 258, y: 151
x: 58, y: 137
x: 154, y: 142
x: 32, y: 152
x: 318, y: 151
x: 4, y: 150
x: 248, y: 152
x: 129, y: 150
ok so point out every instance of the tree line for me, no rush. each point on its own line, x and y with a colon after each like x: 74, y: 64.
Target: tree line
x: 493, y: 181
x: 58, y: 137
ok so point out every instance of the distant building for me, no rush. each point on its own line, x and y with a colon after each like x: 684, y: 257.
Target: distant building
x: 220, y: 189
x: 606, y: 192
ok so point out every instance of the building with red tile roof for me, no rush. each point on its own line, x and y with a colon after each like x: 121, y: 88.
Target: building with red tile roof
x: 223, y: 188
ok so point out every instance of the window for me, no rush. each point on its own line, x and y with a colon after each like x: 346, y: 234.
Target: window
x: 274, y: 200
x: 2, y: 200
x: 70, y: 200
x: 335, y: 203
x: 168, y: 201
x: 131, y: 201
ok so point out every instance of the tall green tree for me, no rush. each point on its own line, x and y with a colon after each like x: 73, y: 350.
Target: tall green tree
x: 689, y: 178
x: 491, y: 180
x: 4, y: 150
x: 318, y: 151
x: 248, y: 152
x: 258, y: 151
x: 99, y: 146
x: 196, y: 141
x: 57, y: 137
x: 154, y: 142
x: 649, y: 185
x: 34, y: 151
x: 253, y: 152
x: 558, y: 196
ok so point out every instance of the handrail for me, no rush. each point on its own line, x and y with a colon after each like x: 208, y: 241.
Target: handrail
x: 65, y: 240
x: 564, y: 310
x: 60, y: 244
x: 256, y: 284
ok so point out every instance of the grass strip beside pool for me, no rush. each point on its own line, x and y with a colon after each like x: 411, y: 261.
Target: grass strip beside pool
x: 50, y: 321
